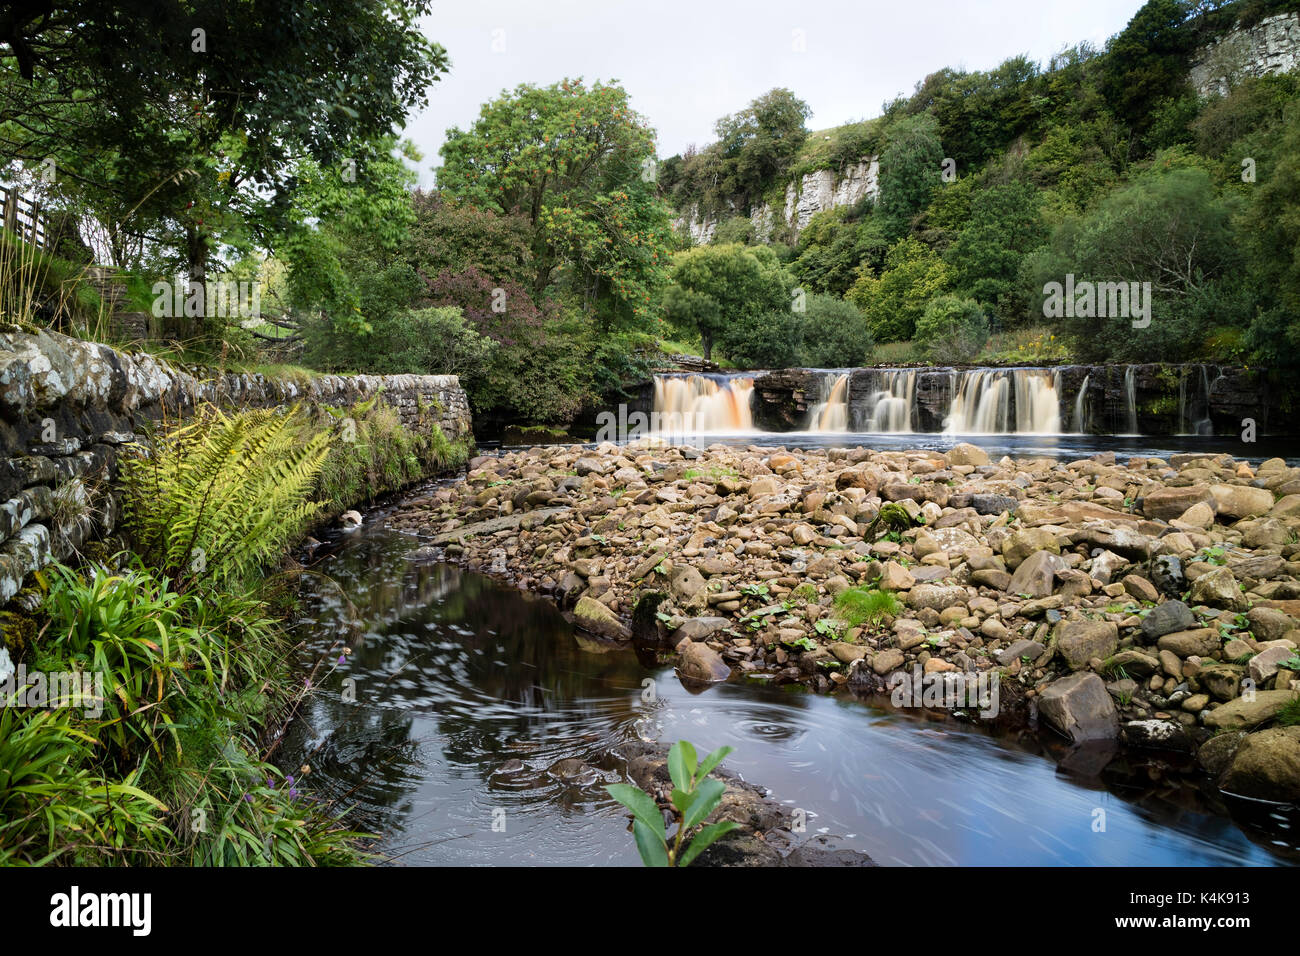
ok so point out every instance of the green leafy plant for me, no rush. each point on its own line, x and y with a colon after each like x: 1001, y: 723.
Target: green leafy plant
x: 695, y: 795
x: 858, y: 606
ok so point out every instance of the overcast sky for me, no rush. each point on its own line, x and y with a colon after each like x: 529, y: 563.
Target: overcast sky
x: 687, y: 62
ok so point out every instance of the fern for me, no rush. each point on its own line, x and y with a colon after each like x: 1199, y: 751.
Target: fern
x: 223, y: 495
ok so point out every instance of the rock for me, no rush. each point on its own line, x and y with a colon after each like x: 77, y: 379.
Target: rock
x: 595, y: 617
x: 1164, y: 504
x: 994, y: 504
x: 1199, y: 516
x: 699, y: 629
x: 1019, y: 650
x: 1135, y: 662
x: 895, y: 577
x: 1167, y: 575
x: 1267, y: 533
x: 701, y: 663
x: 350, y: 520
x: 1216, y: 754
x: 1157, y: 735
x: 1021, y: 544
x: 1078, y: 642
x: 935, y: 596
x: 1223, y: 681
x: 1241, y: 501
x: 689, y: 588
x: 1167, y: 618
x: 965, y: 453
x: 1266, y: 766
x: 1201, y: 642
x: 992, y: 578
x: 1140, y: 588
x: 1036, y: 575
x: 890, y: 659
x: 1104, y: 564
x: 1242, y: 714
x: 1219, y: 588
x: 1267, y: 663
x: 589, y: 466
x: 1269, y: 624
x: 1080, y: 707
x: 848, y: 653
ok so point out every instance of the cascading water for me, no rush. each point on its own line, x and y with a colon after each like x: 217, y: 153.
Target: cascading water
x: 1130, y: 400
x: 1081, y: 407
x: 692, y: 404
x: 831, y: 414
x: 1194, y: 410
x: 983, y: 402
x: 889, y: 406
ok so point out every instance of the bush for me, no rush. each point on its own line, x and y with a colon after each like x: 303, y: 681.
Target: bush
x: 835, y: 334
x: 952, y: 330
x: 433, y: 342
x: 763, y: 339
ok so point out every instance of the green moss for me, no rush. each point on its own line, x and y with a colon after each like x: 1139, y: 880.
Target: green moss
x: 18, y: 630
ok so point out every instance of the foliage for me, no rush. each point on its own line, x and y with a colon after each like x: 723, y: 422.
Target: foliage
x: 695, y: 795
x: 1004, y: 225
x: 714, y: 286
x: 218, y: 497
x: 833, y: 334
x: 894, y: 302
x: 909, y: 171
x: 861, y: 605
x: 952, y: 330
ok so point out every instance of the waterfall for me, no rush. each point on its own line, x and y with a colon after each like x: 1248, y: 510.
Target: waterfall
x: 1038, y: 407
x: 1130, y: 399
x: 981, y: 403
x: 691, y: 404
x: 1189, y: 422
x: 891, y: 404
x: 1080, y: 407
x: 831, y: 414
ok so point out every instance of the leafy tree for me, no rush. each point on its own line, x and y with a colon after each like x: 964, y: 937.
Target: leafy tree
x: 572, y: 161
x: 832, y: 247
x: 909, y: 171
x: 833, y: 334
x: 1272, y: 228
x: 985, y: 260
x: 713, y: 286
x: 763, y: 339
x: 761, y: 142
x: 1148, y: 61
x: 451, y: 236
x: 897, y: 299
x: 952, y: 330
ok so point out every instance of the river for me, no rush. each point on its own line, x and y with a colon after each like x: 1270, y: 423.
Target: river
x: 455, y: 676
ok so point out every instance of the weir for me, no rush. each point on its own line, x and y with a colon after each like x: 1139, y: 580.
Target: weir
x: 1117, y: 400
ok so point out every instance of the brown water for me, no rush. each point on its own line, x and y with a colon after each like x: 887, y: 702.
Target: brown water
x: 456, y: 676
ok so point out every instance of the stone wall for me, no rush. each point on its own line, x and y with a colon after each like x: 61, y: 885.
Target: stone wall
x: 67, y: 406
x: 1270, y: 46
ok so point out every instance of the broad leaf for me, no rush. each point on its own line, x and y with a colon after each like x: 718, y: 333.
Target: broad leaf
x: 677, y: 768
x: 707, y: 796
x: 653, y: 849
x: 712, y: 760
x: 642, y: 805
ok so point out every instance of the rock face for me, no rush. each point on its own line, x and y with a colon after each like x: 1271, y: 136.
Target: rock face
x: 1080, y: 707
x: 1270, y: 46
x: 67, y: 406
x: 1081, y: 641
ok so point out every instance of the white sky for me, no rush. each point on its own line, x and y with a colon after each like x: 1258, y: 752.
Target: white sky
x: 687, y: 62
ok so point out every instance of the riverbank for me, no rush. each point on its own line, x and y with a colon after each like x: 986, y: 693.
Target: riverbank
x: 1148, y: 603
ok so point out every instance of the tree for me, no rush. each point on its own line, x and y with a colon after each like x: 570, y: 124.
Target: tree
x: 715, y: 285
x: 1148, y: 61
x: 834, y: 334
x: 451, y: 236
x: 909, y: 171
x: 951, y: 330
x: 1272, y: 228
x: 893, y: 303
x: 761, y: 142
x: 576, y: 163
x: 184, y: 121
x: 1004, y: 226
x: 832, y: 248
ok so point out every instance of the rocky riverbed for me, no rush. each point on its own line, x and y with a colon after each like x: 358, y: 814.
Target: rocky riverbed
x: 1150, y: 602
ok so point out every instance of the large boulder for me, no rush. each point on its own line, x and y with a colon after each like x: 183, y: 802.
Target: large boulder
x: 935, y: 596
x: 595, y: 617
x: 965, y: 453
x: 1266, y: 766
x: 1021, y: 544
x: 1080, y: 707
x: 701, y: 662
x: 1241, y: 501
x: 1080, y: 641
x: 1243, y: 714
x: 1167, y: 618
x: 1036, y: 575
x: 1202, y: 642
x: 1219, y: 588
x: 1165, y: 504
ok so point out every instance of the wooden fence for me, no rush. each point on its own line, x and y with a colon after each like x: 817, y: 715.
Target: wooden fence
x: 23, y: 217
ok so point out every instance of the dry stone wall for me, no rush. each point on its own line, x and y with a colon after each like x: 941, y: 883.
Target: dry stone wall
x: 67, y: 407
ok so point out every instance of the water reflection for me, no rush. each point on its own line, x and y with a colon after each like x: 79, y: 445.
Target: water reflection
x: 468, y: 695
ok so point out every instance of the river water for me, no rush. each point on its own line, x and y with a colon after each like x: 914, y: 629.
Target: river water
x: 457, y: 693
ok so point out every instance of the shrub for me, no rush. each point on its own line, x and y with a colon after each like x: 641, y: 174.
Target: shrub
x: 952, y: 329
x: 858, y: 606
x: 834, y: 334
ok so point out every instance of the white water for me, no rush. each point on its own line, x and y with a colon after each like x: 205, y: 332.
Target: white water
x: 1080, y: 407
x: 832, y: 413
x: 699, y: 403
x: 890, y: 406
x: 1130, y: 399
x: 982, y: 402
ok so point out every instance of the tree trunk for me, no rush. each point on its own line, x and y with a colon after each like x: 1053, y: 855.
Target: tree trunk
x: 196, y: 250
x: 707, y: 339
